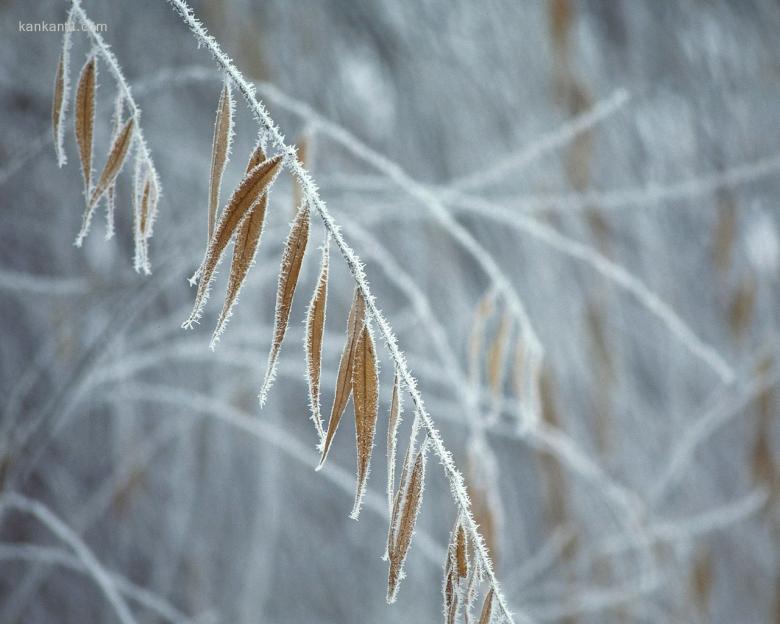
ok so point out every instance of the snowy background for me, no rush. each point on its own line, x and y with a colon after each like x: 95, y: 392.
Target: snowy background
x: 614, y: 165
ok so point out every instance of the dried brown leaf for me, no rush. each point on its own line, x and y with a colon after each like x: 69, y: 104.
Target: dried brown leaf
x: 59, y: 104
x: 117, y: 155
x: 410, y: 503
x: 487, y: 608
x: 315, y: 328
x: 244, y: 251
x: 451, y: 595
x: 343, y: 389
x: 220, y: 150
x: 461, y: 551
x: 292, y: 259
x: 365, y: 395
x: 246, y: 196
x: 146, y: 196
x: 146, y: 209
x: 84, y: 116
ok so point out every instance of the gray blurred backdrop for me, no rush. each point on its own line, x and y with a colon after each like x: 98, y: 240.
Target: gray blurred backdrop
x: 617, y: 162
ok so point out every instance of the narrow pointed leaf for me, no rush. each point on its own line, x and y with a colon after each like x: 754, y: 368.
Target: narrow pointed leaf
x: 411, y: 501
x: 461, y: 552
x: 315, y: 328
x: 487, y: 608
x: 450, y: 593
x: 294, y: 250
x: 247, y: 243
x: 146, y: 210
x: 84, y: 118
x: 244, y: 198
x: 220, y: 151
x: 344, y: 379
x: 114, y: 163
x: 365, y: 394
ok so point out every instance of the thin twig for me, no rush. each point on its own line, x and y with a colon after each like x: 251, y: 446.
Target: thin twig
x: 355, y: 267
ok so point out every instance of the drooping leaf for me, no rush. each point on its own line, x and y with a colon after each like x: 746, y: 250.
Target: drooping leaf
x: 292, y: 259
x: 365, y: 395
x: 84, y: 118
x: 410, y: 502
x: 315, y: 328
x: 244, y: 198
x: 247, y: 243
x: 114, y: 163
x: 220, y: 151
x: 344, y: 378
x: 487, y: 608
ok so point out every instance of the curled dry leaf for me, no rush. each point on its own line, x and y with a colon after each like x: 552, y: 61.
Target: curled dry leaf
x: 247, y: 243
x: 365, y: 395
x: 85, y: 118
x: 487, y: 608
x: 220, y: 151
x: 357, y: 315
x: 58, y: 107
x: 246, y: 196
x: 315, y: 327
x: 117, y: 155
x: 292, y: 259
x: 409, y: 503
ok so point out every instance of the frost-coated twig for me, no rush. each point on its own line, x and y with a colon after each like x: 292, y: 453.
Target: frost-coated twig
x: 47, y: 285
x: 47, y: 555
x: 562, y: 135
x: 533, y: 352
x: 652, y: 193
x: 354, y: 265
x: 61, y: 530
x: 733, y: 398
x: 194, y: 402
x: 612, y: 271
x: 693, y: 526
x: 113, y: 65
